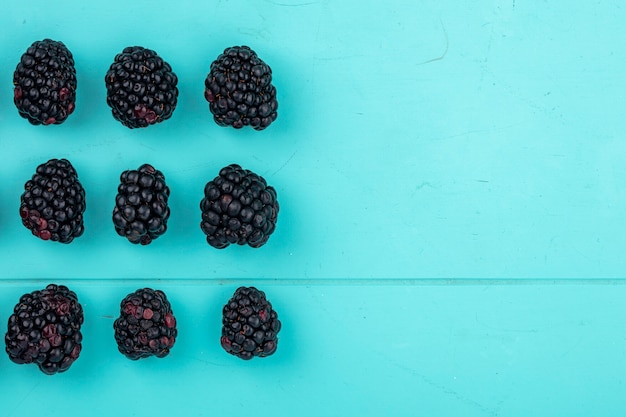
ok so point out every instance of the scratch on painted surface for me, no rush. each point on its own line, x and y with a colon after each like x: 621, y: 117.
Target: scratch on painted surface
x: 445, y: 389
x: 17, y: 407
x: 445, y: 51
x: 285, y: 164
x: 291, y: 5
x: 423, y: 184
x: 572, y: 347
x: 204, y: 361
x: 338, y: 58
x: 420, y: 186
x: 486, y: 130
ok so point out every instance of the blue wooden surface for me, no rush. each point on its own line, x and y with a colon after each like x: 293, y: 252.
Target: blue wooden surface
x: 479, y: 144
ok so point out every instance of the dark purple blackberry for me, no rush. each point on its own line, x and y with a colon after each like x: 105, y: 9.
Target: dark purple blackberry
x: 249, y: 325
x: 45, y: 83
x: 239, y: 90
x: 146, y: 326
x: 53, y: 202
x: 141, y: 209
x: 45, y: 329
x: 238, y: 207
x: 141, y: 88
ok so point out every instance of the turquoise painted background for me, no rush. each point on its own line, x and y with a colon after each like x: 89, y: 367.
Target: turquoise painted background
x: 440, y: 166
x: 346, y: 350
x: 414, y: 139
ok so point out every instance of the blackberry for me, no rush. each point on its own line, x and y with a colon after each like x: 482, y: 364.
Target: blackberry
x: 141, y: 209
x: 141, y: 88
x: 45, y: 83
x: 250, y: 325
x: 45, y: 329
x: 239, y: 90
x: 238, y: 207
x: 146, y: 326
x: 53, y: 202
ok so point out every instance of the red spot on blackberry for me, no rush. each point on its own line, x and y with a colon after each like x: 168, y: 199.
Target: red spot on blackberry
x: 17, y: 93
x: 140, y: 112
x: 70, y: 108
x: 55, y: 340
x: 226, y: 343
x: 64, y: 94
x: 150, y: 117
x: 148, y: 313
x: 42, y: 223
x: 170, y: 321
x: 24, y: 212
x: 75, y: 352
x: 130, y: 309
x: 63, y: 308
x: 208, y: 95
x: 50, y: 121
x: 49, y: 330
x: 44, y: 235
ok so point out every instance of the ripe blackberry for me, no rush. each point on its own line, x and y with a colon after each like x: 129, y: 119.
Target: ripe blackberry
x: 239, y: 90
x: 53, y: 202
x: 249, y: 325
x: 45, y: 83
x: 146, y: 325
x: 141, y: 209
x: 141, y: 88
x: 45, y: 329
x: 238, y: 207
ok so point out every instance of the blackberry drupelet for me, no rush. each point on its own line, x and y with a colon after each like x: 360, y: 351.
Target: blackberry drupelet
x: 53, y: 203
x: 238, y: 207
x: 45, y: 329
x: 141, y: 88
x: 45, y: 83
x: 141, y: 210
x: 146, y: 326
x: 250, y: 325
x: 239, y: 90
